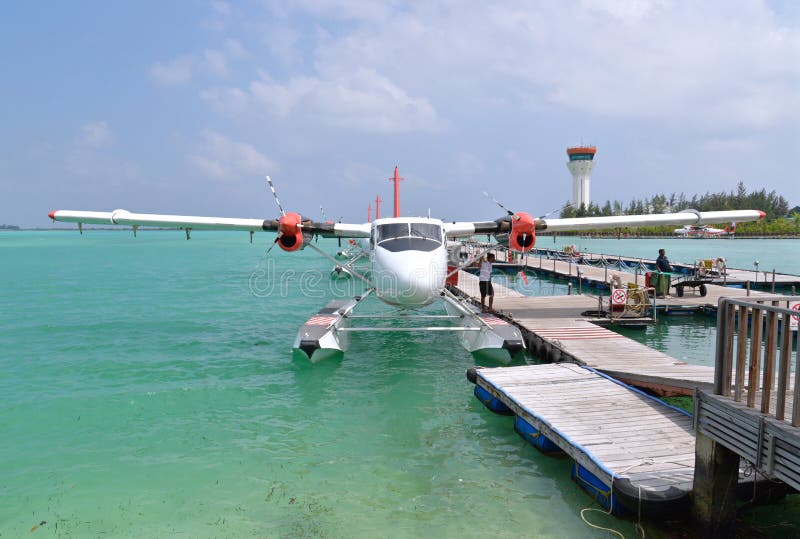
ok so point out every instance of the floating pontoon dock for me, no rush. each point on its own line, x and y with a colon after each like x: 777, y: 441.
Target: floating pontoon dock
x: 631, y: 451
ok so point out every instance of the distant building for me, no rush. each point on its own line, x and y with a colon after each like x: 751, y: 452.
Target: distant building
x: 580, y: 164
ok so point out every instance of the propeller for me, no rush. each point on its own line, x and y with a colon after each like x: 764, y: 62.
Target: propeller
x: 275, y: 196
x: 487, y: 195
x: 523, y: 228
x: 570, y: 205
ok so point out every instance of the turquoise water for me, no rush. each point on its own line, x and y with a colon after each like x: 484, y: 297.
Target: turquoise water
x: 148, y: 390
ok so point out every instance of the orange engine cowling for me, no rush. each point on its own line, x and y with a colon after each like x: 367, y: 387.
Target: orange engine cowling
x: 523, y: 232
x: 290, y: 234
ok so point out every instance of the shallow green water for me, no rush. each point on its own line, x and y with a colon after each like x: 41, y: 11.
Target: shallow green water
x: 148, y: 390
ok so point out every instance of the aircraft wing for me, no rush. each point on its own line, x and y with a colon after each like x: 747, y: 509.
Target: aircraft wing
x: 504, y: 225
x: 126, y: 218
x: 657, y: 219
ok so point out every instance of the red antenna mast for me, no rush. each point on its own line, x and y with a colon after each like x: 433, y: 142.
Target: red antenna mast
x: 369, y: 213
x: 378, y: 206
x: 397, y: 179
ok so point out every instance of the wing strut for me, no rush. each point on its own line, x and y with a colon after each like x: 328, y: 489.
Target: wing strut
x: 336, y: 263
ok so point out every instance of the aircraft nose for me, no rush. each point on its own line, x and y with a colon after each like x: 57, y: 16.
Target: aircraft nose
x: 405, y: 281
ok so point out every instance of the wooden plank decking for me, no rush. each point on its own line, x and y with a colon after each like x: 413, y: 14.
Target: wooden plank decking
x: 615, y: 433
x: 641, y: 448
x: 556, y: 330
x: 597, y: 275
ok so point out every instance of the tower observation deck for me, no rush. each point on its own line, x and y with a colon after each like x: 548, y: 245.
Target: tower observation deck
x: 580, y: 164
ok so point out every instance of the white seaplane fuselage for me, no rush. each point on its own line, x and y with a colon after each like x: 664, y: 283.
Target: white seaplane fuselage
x: 409, y: 260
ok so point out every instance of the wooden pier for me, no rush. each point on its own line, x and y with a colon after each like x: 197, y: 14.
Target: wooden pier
x: 753, y: 411
x: 591, y: 279
x: 640, y: 450
x: 633, y: 449
x: 556, y: 329
x: 755, y: 278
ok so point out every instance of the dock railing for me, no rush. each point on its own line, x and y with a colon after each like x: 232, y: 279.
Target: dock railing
x: 746, y: 369
x: 754, y: 413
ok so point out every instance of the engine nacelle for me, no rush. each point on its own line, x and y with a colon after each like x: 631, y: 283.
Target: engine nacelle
x: 290, y: 233
x: 523, y: 232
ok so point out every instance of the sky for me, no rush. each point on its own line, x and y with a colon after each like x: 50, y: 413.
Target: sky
x: 183, y: 107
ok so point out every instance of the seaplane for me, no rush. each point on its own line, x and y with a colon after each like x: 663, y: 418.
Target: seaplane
x: 705, y: 231
x: 407, y: 262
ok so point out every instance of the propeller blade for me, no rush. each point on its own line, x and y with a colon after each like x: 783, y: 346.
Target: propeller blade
x: 498, y: 203
x: 275, y: 196
x: 558, y: 210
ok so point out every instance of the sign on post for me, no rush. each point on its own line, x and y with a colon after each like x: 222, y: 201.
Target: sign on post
x: 793, y: 321
x: 619, y: 296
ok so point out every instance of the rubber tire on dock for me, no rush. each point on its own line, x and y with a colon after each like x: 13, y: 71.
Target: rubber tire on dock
x: 679, y: 291
x: 703, y: 290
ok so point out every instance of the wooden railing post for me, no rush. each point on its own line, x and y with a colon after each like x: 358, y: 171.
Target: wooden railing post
x: 719, y: 361
x: 741, y: 351
x: 784, y: 366
x: 771, y: 343
x: 755, y: 357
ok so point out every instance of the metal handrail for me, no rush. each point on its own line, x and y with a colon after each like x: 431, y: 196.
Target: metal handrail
x: 739, y: 372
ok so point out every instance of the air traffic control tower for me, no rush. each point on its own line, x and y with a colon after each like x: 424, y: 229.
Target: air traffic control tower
x: 580, y: 164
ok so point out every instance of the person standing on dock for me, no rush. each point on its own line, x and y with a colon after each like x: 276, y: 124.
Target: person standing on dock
x: 485, y: 282
x: 662, y: 262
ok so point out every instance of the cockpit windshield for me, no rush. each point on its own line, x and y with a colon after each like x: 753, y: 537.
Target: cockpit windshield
x: 409, y: 236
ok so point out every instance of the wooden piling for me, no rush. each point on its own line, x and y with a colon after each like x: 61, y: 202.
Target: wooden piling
x: 715, y: 478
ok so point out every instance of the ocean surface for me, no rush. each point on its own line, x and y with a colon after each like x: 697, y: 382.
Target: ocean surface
x: 148, y: 389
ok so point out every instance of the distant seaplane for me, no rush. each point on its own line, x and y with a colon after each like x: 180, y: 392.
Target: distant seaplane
x: 704, y: 231
x: 408, y: 258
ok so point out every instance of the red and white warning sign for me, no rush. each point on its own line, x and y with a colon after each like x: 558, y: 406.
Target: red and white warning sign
x: 619, y: 296
x: 793, y: 321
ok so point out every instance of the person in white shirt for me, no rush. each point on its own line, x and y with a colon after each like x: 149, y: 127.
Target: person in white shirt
x: 485, y: 281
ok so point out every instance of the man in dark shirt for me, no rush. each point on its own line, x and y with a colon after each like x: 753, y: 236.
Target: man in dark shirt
x: 662, y: 262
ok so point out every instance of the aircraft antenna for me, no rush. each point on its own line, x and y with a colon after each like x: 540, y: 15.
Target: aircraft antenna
x: 487, y: 195
x: 396, y: 179
x: 275, y: 196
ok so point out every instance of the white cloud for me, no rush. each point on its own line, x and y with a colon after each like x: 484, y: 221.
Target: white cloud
x: 235, y: 49
x: 215, y: 62
x: 711, y: 64
x: 731, y: 145
x: 219, y: 157
x: 221, y: 8
x: 467, y: 165
x: 359, y: 174
x: 178, y: 71
x: 91, y: 158
x: 95, y: 135
x: 183, y: 69
x: 361, y: 101
x: 358, y: 10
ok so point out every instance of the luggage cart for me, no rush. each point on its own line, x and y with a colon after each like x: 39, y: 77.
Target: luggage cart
x: 701, y: 275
